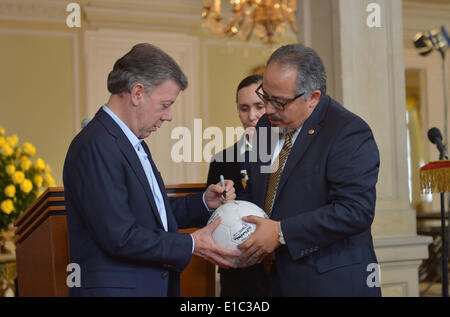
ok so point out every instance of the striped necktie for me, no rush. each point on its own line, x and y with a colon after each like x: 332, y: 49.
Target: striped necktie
x: 274, y: 177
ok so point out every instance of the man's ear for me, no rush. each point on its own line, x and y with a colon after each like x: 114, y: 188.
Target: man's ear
x: 137, y: 93
x: 314, y: 99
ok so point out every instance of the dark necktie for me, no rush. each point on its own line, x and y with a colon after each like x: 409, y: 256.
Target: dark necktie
x: 274, y: 177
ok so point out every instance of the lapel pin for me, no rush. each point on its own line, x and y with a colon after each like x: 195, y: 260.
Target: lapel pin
x: 311, y: 132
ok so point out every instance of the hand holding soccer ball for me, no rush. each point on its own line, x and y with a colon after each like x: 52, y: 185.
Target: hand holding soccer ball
x: 233, y: 230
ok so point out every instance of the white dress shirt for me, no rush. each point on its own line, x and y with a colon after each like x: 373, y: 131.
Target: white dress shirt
x: 280, y: 144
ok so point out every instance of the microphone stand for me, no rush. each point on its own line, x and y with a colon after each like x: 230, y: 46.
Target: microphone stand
x: 444, y: 243
x: 444, y: 82
x: 441, y: 157
x: 444, y: 85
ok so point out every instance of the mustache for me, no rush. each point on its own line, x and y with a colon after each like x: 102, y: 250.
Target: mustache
x: 274, y: 117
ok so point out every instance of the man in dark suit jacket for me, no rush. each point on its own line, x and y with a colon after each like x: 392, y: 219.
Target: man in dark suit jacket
x: 317, y: 241
x: 232, y: 163
x: 123, y: 229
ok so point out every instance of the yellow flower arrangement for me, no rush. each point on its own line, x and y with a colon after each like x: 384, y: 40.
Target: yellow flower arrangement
x: 26, y: 186
x: 25, y: 163
x: 18, y: 177
x: 38, y: 180
x: 29, y: 149
x: 39, y: 164
x: 10, y: 169
x: 10, y: 191
x: 7, y: 206
x: 6, y: 150
x: 21, y: 179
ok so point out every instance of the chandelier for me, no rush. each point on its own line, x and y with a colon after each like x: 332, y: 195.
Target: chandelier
x: 264, y: 18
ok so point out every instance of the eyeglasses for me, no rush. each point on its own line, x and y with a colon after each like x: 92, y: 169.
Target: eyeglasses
x: 275, y: 103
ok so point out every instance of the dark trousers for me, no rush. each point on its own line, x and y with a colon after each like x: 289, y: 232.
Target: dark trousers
x: 244, y: 282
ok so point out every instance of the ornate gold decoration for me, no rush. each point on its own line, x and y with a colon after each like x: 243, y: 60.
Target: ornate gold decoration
x: 435, y: 177
x: 265, y: 18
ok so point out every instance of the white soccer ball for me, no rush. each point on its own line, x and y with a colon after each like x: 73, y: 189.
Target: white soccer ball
x: 232, y: 230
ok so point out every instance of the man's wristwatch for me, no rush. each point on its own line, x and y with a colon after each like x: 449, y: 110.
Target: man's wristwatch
x: 280, y: 234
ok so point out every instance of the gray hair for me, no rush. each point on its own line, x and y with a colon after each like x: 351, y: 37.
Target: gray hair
x: 311, y: 74
x: 145, y: 64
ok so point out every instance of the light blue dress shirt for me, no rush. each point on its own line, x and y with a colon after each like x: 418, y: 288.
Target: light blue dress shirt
x: 143, y: 157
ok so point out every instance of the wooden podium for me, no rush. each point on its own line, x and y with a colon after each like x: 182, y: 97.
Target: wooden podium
x: 42, y: 246
x: 42, y: 252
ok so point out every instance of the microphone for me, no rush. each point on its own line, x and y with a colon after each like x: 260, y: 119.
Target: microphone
x: 84, y: 123
x: 435, y: 136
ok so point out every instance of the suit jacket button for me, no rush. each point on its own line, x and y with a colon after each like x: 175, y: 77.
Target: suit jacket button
x: 165, y: 275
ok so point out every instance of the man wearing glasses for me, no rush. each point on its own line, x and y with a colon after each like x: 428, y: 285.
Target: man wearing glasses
x: 320, y: 196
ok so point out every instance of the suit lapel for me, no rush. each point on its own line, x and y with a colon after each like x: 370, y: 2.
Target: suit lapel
x: 171, y: 221
x: 304, y: 139
x: 130, y: 154
x: 260, y: 187
x: 309, y: 132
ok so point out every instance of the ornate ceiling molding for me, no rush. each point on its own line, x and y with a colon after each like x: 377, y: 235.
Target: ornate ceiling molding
x: 32, y: 10
x: 182, y: 14
x: 174, y: 14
